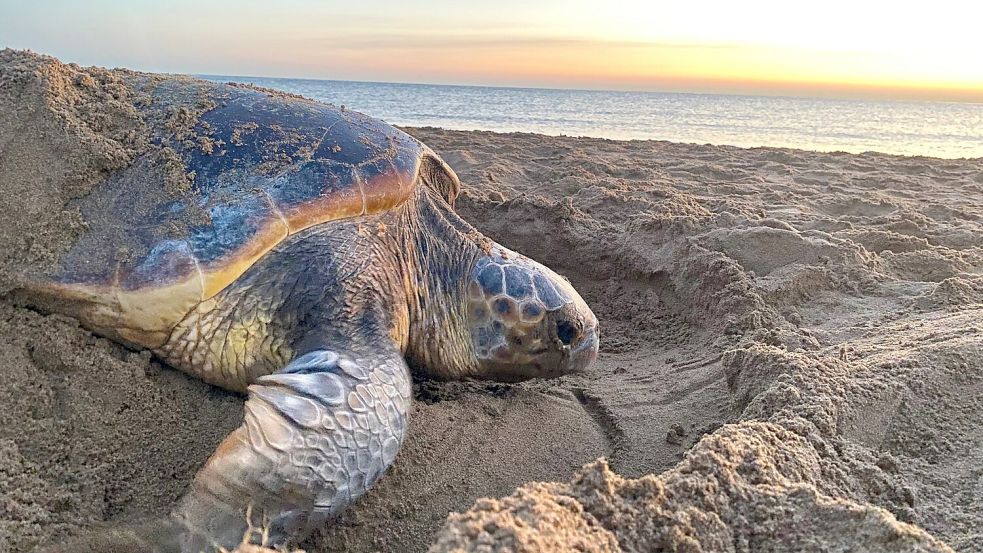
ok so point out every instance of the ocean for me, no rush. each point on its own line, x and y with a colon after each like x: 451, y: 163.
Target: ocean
x: 938, y: 129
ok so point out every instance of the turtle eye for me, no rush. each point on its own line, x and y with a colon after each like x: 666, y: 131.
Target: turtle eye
x: 566, y: 332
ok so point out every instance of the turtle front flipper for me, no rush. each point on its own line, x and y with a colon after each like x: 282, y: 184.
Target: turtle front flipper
x: 316, y: 435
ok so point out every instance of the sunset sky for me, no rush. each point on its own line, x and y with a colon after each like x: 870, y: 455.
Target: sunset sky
x: 930, y: 50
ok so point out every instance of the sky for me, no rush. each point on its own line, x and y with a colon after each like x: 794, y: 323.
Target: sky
x: 840, y: 48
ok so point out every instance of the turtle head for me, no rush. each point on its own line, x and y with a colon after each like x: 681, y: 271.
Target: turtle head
x: 526, y: 321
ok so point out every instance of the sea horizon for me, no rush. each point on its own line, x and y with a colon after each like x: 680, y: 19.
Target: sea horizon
x: 942, y: 129
x: 249, y: 78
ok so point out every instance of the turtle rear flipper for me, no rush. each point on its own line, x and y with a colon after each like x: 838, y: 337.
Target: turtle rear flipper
x: 316, y: 435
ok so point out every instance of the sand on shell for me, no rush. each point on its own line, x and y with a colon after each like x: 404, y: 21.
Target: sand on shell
x: 792, y: 356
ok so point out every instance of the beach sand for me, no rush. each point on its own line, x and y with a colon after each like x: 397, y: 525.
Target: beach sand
x: 791, y: 355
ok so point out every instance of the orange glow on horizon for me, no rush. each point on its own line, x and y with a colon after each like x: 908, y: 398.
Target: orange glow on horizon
x: 640, y: 66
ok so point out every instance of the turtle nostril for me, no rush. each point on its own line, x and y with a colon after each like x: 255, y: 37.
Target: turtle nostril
x: 566, y: 332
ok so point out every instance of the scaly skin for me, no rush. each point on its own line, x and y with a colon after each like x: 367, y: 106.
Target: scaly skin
x: 312, y: 289
x: 347, y: 302
x: 317, y: 434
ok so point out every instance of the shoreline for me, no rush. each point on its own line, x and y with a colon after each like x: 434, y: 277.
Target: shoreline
x: 434, y: 128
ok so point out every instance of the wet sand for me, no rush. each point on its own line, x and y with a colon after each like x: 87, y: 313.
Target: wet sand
x: 791, y: 360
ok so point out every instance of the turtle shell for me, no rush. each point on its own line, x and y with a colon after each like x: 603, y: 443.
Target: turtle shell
x: 252, y: 167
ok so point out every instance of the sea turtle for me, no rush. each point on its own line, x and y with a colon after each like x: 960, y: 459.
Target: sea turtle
x: 313, y: 257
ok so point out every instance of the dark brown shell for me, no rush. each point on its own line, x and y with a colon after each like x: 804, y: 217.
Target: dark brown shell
x: 260, y: 166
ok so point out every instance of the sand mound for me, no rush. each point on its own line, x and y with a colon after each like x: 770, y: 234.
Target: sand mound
x: 90, y: 431
x: 743, y: 489
x: 65, y: 128
x: 792, y: 357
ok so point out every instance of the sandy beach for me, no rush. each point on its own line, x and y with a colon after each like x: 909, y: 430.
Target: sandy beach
x: 791, y: 357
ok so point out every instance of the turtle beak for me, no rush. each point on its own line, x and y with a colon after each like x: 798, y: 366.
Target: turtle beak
x: 584, y: 353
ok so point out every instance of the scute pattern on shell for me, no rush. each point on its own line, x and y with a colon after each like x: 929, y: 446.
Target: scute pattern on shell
x: 261, y: 166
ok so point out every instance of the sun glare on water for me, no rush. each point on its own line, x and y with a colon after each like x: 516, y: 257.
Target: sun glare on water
x: 852, y: 43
